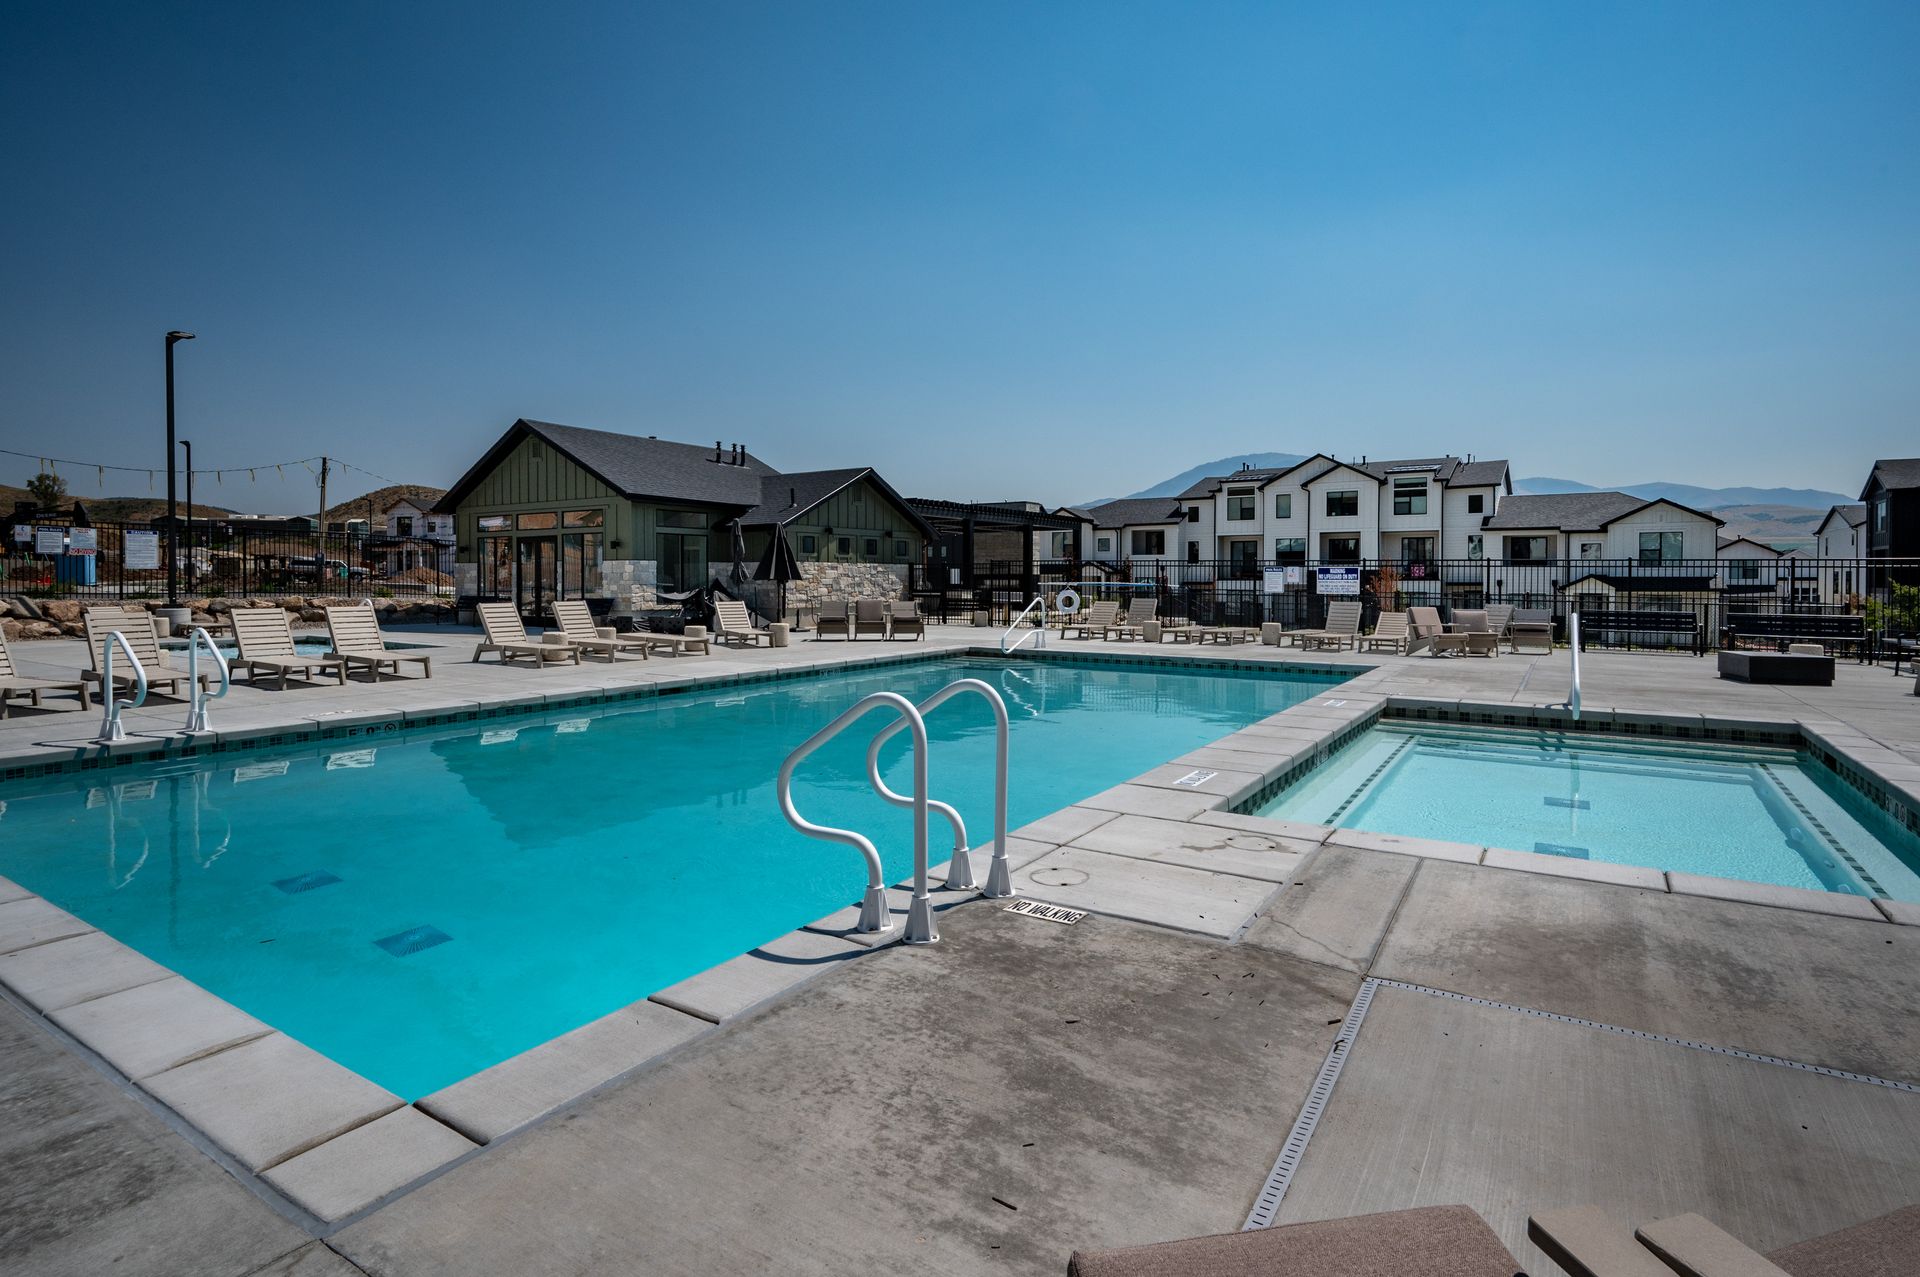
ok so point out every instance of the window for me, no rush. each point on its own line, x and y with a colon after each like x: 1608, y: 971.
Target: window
x: 871, y: 547
x: 1743, y: 570
x: 682, y: 519
x: 1661, y: 547
x: 1283, y: 505
x: 1343, y: 549
x: 579, y: 564
x: 1591, y: 550
x: 584, y: 518
x: 1193, y: 514
x: 496, y: 523
x: 1476, y: 546
x: 809, y: 543
x: 1526, y: 549
x: 538, y: 522
x: 1244, y: 557
x: 1409, y: 496
x: 1146, y: 541
x: 900, y: 549
x: 1103, y: 544
x: 1416, y: 549
x: 1240, y: 505
x: 843, y: 546
x: 1193, y: 551
x: 1477, y: 503
x: 1056, y: 545
x: 496, y: 567
x: 1290, y: 549
x: 403, y: 525
x: 1880, y: 514
x: 1343, y: 503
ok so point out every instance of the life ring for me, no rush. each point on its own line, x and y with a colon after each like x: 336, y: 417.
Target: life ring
x: 1066, y: 603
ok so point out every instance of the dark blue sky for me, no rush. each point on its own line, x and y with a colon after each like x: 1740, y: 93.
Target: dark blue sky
x: 1037, y: 250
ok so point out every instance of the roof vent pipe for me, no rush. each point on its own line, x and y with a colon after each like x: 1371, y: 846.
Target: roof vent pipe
x: 739, y: 454
x: 793, y: 497
x: 716, y: 450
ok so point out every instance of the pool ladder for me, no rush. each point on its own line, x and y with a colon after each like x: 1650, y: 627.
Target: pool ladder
x: 874, y: 914
x: 197, y: 694
x: 1037, y: 635
x: 1573, y: 643
x: 111, y: 728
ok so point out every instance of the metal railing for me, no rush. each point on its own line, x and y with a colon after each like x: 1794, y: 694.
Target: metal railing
x: 1573, y: 642
x: 1038, y: 634
x: 960, y: 867
x: 111, y: 729
x: 197, y: 694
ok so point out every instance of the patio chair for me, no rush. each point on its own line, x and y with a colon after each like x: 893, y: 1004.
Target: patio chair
x: 1429, y: 634
x: 265, y: 638
x: 1342, y: 629
x: 1429, y: 1241
x: 1094, y: 622
x: 1588, y: 1240
x: 575, y: 620
x: 1500, y: 619
x: 904, y: 618
x: 1390, y: 634
x: 1534, y: 626
x: 503, y: 631
x: 835, y: 617
x: 354, y: 629
x: 137, y: 626
x: 733, y: 625
x: 14, y: 683
x: 1475, y: 632
x: 869, y: 617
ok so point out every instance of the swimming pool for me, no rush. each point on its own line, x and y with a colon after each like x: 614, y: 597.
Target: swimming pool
x: 426, y: 907
x: 1758, y: 814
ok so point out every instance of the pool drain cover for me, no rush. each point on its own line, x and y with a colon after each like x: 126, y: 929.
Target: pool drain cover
x: 412, y: 940
x: 1060, y: 877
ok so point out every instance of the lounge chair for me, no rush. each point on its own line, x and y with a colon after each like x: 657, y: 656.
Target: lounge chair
x: 733, y: 625
x: 14, y: 683
x: 905, y: 619
x: 137, y: 626
x: 1390, y: 634
x: 503, y: 632
x: 1499, y: 619
x: 1430, y: 1241
x: 1092, y: 623
x: 575, y: 620
x: 869, y: 617
x: 1586, y: 1240
x: 1426, y: 630
x: 693, y: 639
x: 1475, y: 632
x: 1341, y: 630
x: 265, y: 638
x: 355, y: 631
x: 835, y: 617
x: 1534, y: 627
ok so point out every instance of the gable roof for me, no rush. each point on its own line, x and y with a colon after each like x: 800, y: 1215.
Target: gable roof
x: 632, y: 465
x: 1854, y: 513
x: 784, y: 498
x: 1119, y: 514
x: 1567, y: 511
x: 1727, y: 543
x: 1897, y: 472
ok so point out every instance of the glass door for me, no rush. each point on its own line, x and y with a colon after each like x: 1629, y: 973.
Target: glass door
x: 537, y: 563
x: 683, y: 561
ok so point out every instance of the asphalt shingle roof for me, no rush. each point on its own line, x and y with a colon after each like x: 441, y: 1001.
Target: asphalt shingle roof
x: 1569, y: 511
x: 1117, y: 514
x: 785, y: 497
x: 643, y: 467
x: 1895, y: 472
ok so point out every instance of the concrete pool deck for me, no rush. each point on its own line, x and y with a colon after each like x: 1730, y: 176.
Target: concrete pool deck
x: 598, y: 1192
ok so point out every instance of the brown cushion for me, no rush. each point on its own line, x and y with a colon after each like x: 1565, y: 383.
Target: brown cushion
x: 1432, y: 1241
x: 1885, y: 1247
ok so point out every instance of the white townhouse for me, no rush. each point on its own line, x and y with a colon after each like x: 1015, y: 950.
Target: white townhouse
x: 1841, y: 542
x: 414, y: 536
x: 1600, y: 546
x: 1141, y: 533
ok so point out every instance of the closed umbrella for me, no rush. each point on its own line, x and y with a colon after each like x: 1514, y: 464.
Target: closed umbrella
x: 739, y: 573
x: 778, y: 564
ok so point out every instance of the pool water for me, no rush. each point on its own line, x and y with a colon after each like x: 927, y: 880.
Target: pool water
x: 429, y: 905
x: 1762, y: 815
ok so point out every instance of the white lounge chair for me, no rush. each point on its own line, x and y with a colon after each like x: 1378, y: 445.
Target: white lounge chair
x: 505, y: 633
x: 733, y: 625
x: 1390, y: 633
x: 575, y: 620
x: 1342, y: 629
x: 14, y: 683
x: 137, y: 626
x: 355, y: 631
x: 265, y: 638
x: 1092, y: 623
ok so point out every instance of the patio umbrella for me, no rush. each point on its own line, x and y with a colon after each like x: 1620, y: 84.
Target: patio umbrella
x: 778, y: 564
x: 739, y: 573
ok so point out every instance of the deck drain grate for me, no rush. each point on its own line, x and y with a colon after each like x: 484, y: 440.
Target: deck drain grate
x: 411, y: 941
x: 307, y: 882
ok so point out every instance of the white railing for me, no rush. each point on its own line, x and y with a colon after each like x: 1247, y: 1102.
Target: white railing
x: 874, y: 915
x: 197, y: 694
x: 111, y: 728
x: 1573, y: 642
x: 960, y: 867
x: 1038, y: 634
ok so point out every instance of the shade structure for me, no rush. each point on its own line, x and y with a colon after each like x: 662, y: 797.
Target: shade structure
x: 779, y: 565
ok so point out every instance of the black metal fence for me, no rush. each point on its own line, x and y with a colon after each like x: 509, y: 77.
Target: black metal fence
x: 1883, y: 594
x: 217, y: 560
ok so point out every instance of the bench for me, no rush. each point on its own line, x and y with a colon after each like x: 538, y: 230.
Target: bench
x: 1684, y: 626
x: 1780, y: 629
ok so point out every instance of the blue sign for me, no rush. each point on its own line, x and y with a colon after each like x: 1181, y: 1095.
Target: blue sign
x: 1337, y: 580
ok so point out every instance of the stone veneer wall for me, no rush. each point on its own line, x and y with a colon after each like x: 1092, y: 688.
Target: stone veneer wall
x: 823, y: 581
x: 630, y: 583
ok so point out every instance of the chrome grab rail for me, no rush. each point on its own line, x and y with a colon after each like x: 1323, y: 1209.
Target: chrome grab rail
x: 960, y: 867
x: 110, y: 725
x: 1038, y: 635
x: 197, y: 694
x: 874, y: 915
x: 1573, y: 641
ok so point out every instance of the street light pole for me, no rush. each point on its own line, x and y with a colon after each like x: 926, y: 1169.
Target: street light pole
x: 187, y: 444
x: 173, y: 513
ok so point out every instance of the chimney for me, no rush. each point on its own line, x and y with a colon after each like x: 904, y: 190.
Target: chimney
x: 739, y: 454
x: 716, y: 451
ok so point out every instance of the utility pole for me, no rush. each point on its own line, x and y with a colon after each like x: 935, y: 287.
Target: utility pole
x: 173, y: 509
x: 320, y: 557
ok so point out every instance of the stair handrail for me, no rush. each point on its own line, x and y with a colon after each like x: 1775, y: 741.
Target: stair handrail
x: 197, y: 694
x: 1573, y: 642
x: 111, y: 729
x: 1038, y: 634
x: 960, y: 867
x: 874, y: 915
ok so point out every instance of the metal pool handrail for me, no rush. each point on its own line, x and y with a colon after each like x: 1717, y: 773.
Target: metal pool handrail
x: 1039, y: 635
x: 1573, y: 642
x: 960, y: 867
x: 197, y: 694
x: 110, y: 726
x: 874, y: 915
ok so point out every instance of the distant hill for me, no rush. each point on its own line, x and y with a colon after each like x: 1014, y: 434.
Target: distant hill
x: 140, y: 509
x: 1226, y: 465
x: 1699, y: 498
